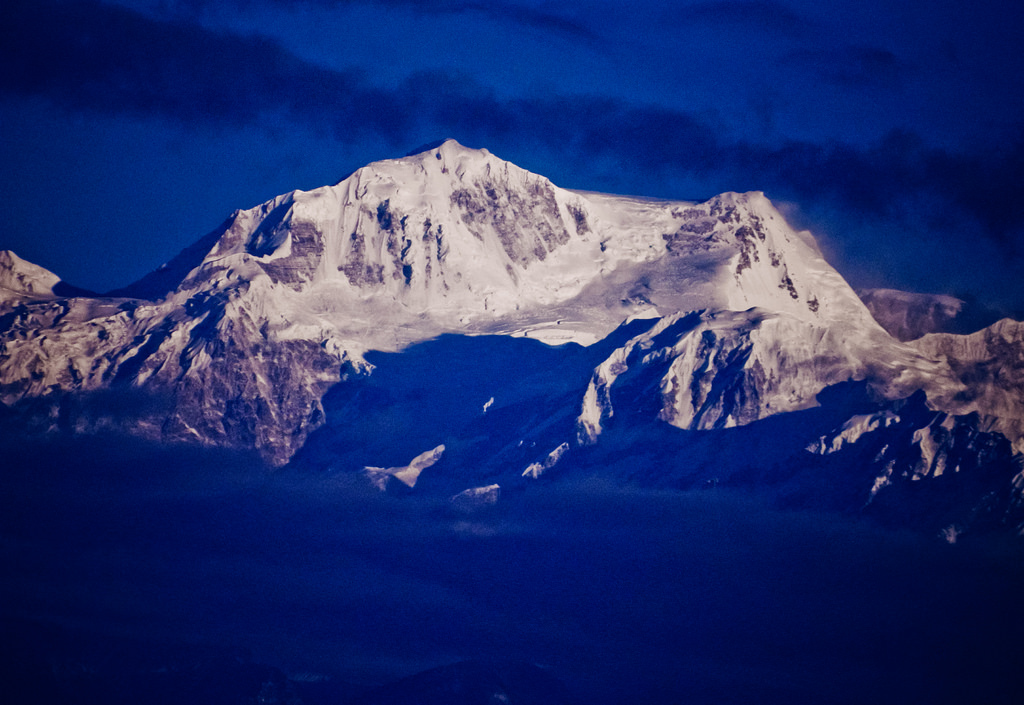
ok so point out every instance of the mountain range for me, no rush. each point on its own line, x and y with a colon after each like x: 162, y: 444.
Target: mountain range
x: 449, y: 322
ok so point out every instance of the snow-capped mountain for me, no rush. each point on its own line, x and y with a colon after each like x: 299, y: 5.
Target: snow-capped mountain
x: 239, y: 340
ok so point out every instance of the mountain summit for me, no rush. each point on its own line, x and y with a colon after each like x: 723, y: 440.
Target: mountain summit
x: 736, y: 316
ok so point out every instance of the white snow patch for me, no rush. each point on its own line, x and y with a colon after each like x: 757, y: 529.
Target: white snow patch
x: 535, y: 470
x: 852, y: 430
x: 406, y: 474
x: 476, y: 497
x: 950, y: 533
x: 883, y: 480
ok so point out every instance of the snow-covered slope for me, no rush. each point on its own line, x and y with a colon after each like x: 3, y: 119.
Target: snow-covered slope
x: 21, y: 280
x: 718, y: 369
x: 265, y: 315
x: 455, y: 239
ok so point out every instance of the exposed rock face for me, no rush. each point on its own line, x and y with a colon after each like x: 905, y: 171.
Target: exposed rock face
x: 908, y: 316
x: 989, y: 365
x: 912, y: 451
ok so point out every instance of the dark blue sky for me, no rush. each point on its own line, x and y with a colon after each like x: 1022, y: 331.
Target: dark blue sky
x: 893, y: 130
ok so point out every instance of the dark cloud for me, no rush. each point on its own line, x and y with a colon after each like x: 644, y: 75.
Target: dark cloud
x: 527, y: 16
x: 879, y: 180
x: 629, y: 595
x: 850, y: 67
x: 113, y: 60
x: 762, y: 16
x: 515, y: 13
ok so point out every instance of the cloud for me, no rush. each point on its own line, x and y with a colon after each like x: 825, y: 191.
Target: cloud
x: 757, y: 15
x: 850, y: 66
x: 516, y: 13
x: 676, y: 596
x: 113, y: 60
x: 880, y: 180
x: 510, y: 12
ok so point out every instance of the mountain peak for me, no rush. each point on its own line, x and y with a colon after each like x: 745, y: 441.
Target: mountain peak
x: 447, y: 145
x: 20, y: 279
x: 457, y: 239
